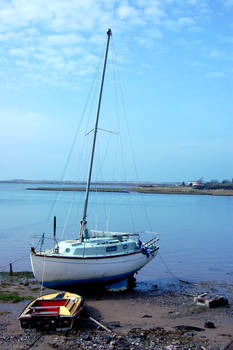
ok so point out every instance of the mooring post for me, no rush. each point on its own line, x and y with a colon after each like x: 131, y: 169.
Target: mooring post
x: 11, y: 270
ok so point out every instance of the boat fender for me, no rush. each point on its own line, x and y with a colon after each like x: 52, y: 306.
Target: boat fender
x: 86, y: 233
x: 145, y: 251
x: 139, y: 244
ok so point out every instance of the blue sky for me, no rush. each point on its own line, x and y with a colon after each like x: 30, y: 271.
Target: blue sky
x: 173, y: 59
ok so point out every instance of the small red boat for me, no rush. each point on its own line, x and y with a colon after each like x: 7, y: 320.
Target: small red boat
x: 52, y: 312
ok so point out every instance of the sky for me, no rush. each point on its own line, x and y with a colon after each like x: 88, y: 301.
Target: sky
x: 171, y: 66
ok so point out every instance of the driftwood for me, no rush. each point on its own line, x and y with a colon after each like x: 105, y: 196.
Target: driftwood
x: 100, y: 324
x: 189, y: 328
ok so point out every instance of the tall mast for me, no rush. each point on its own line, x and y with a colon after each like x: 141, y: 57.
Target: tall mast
x: 84, y: 221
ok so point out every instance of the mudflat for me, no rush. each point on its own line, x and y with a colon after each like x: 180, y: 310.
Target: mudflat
x: 148, y: 317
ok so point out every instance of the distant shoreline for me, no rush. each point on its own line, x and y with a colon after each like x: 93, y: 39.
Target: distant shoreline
x: 183, y: 190
x: 110, y: 183
x: 80, y: 189
x: 122, y: 187
x: 144, y: 189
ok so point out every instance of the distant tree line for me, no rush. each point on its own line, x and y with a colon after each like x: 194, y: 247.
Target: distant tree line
x: 211, y: 185
x: 215, y: 184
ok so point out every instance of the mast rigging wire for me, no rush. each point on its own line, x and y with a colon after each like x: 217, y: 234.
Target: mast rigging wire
x: 130, y: 142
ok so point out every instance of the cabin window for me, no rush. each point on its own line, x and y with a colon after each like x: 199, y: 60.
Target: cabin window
x: 111, y: 249
x: 67, y: 250
x: 125, y: 246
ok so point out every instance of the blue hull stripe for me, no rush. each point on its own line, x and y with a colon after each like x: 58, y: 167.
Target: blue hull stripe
x: 51, y: 284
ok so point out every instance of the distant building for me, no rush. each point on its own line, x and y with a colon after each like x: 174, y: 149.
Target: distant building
x: 195, y: 184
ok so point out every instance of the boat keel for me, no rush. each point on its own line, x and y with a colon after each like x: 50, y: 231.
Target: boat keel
x: 121, y: 285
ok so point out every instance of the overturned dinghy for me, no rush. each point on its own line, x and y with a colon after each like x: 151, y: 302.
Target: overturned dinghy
x: 52, y: 312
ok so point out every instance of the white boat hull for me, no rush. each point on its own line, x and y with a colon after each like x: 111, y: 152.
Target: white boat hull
x: 54, y: 271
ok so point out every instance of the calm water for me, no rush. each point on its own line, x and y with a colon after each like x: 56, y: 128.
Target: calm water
x: 196, y: 241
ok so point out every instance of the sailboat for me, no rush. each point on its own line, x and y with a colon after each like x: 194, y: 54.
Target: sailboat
x: 108, y: 258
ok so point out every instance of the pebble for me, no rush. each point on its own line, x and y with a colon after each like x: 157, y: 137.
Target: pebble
x: 209, y: 324
x: 190, y: 334
x: 137, y: 339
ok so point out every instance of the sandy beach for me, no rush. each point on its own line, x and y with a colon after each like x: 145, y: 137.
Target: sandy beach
x: 148, y: 317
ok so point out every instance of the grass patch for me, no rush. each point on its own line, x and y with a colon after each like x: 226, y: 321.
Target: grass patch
x: 13, y: 297
x: 5, y: 277
x: 182, y: 190
x: 20, y: 274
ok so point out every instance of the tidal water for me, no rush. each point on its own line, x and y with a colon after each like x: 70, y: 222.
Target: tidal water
x: 196, y: 240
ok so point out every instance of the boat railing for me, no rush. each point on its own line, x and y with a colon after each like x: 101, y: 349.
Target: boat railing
x: 43, y: 241
x: 152, y: 242
x: 40, y: 237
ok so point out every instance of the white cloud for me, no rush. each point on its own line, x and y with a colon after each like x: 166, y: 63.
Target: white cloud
x: 192, y: 2
x: 195, y: 29
x: 150, y: 37
x: 216, y: 54
x: 179, y: 23
x: 41, y: 32
x: 65, y: 37
x: 155, y: 33
x: 215, y: 75
x: 6, y: 36
x: 153, y: 11
x: 227, y: 3
x: 130, y: 13
x: 183, y: 21
x: 18, y: 52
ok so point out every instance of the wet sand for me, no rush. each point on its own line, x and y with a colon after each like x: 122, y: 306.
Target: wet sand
x: 133, y: 316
